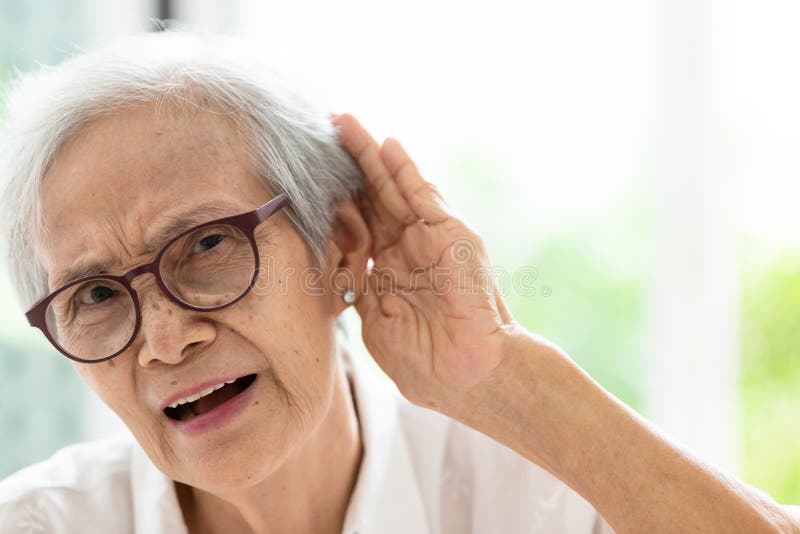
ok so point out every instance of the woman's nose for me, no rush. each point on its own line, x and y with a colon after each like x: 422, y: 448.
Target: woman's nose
x: 168, y: 331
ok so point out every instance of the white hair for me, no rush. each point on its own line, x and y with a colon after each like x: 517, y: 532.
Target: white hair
x: 293, y: 146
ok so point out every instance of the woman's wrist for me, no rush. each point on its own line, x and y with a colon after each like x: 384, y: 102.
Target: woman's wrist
x: 520, y: 401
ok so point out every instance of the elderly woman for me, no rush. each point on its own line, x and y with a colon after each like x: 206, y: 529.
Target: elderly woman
x: 188, y: 232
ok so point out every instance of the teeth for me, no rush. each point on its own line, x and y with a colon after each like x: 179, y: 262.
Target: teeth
x: 192, y: 398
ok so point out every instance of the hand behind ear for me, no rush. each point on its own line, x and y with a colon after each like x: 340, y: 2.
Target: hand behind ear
x: 431, y: 315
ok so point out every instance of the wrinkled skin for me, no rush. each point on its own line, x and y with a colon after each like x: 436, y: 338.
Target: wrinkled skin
x: 296, y: 446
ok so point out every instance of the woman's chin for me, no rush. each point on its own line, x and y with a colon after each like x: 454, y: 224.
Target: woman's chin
x: 230, y: 472
x: 231, y: 460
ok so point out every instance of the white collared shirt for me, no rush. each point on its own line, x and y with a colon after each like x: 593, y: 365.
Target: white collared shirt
x: 421, y: 473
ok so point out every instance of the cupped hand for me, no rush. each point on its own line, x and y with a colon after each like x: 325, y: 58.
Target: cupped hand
x: 432, y: 317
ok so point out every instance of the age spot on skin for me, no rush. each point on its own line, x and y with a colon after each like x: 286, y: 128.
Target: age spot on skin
x: 111, y: 363
x: 173, y: 382
x: 156, y: 307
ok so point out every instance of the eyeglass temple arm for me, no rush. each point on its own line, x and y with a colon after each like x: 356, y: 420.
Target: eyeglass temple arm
x: 272, y: 206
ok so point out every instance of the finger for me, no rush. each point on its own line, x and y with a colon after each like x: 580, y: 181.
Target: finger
x: 375, y: 302
x: 367, y: 304
x: 380, y: 186
x: 422, y: 196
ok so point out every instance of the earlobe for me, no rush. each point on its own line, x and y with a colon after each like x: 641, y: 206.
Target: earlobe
x: 351, y: 247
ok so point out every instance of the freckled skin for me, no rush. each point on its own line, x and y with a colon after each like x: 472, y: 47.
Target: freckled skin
x: 100, y: 197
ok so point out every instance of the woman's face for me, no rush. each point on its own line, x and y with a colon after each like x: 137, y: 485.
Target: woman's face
x: 111, y: 189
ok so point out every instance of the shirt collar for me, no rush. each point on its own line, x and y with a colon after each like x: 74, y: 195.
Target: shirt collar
x: 386, y: 497
x: 155, y: 502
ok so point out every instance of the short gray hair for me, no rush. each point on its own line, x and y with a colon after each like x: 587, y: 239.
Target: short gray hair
x: 293, y: 146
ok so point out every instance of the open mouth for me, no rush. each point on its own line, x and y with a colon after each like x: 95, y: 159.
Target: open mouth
x: 208, y: 402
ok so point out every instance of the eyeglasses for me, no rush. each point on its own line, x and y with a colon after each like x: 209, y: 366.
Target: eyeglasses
x: 206, y: 268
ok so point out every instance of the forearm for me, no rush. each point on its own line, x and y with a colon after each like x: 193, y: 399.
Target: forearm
x: 542, y: 405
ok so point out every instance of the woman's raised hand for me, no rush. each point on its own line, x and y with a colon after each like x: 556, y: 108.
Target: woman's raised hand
x: 432, y: 317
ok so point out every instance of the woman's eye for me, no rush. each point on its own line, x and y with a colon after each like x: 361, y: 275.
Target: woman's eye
x: 207, y: 243
x: 96, y: 294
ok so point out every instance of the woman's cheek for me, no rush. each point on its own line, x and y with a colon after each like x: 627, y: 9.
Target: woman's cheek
x: 113, y: 384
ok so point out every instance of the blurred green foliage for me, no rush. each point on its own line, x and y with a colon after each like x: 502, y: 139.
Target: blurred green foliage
x: 590, y: 298
x: 770, y: 372
x: 588, y: 278
x: 592, y: 306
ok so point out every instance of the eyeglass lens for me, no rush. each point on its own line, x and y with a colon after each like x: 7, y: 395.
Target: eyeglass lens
x: 206, y: 268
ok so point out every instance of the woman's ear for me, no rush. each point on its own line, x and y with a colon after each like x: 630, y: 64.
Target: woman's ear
x: 349, y: 248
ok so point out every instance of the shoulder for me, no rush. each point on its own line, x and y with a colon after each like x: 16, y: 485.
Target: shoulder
x: 485, y: 485
x: 82, y: 487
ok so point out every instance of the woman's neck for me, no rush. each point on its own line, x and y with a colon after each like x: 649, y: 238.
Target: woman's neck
x: 309, y: 493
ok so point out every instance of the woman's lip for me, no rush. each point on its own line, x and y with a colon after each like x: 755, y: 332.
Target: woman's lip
x: 218, y: 415
x: 197, y: 389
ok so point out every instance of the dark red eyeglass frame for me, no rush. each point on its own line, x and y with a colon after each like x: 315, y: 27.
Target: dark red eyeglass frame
x: 246, y: 222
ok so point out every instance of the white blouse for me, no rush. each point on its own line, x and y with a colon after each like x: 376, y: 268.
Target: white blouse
x: 421, y: 473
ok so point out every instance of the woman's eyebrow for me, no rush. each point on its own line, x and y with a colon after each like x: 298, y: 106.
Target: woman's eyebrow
x: 76, y: 272
x: 172, y: 225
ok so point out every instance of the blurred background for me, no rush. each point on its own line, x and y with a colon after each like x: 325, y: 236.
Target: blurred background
x: 636, y: 158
